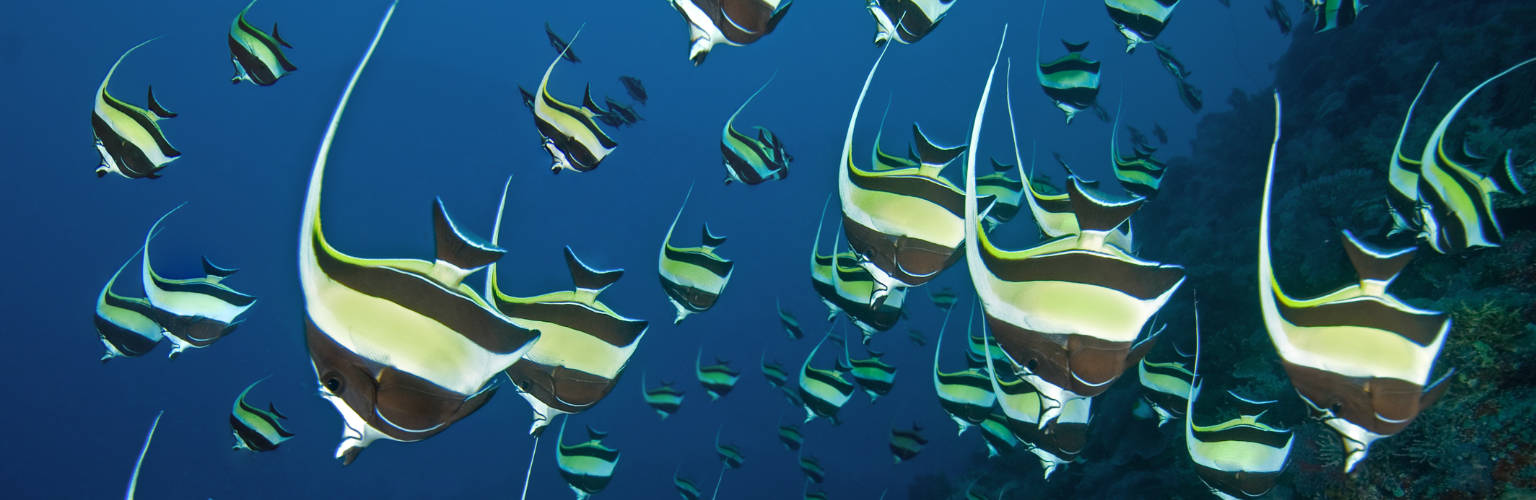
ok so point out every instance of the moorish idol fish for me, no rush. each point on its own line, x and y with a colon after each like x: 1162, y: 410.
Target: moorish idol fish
x: 752, y: 160
x: 943, y: 298
x: 1240, y: 457
x: 1067, y: 312
x: 849, y: 288
x: 1052, y: 211
x: 791, y: 325
x: 401, y: 347
x: 904, y: 224
x: 906, y: 444
x: 1071, y: 81
x: 976, y: 350
x: 257, y: 429
x: 917, y: 337
x: 1456, y: 208
x: 718, y: 379
x: 1359, y: 357
x: 1276, y: 10
x: 686, y: 487
x: 1139, y: 172
x: 258, y: 57
x: 1140, y: 21
x: 1007, y: 193
x: 907, y: 21
x: 635, y: 88
x: 965, y: 395
x: 1165, y: 383
x: 773, y: 371
x: 693, y: 277
x: 1403, y: 175
x: 627, y: 113
x: 573, y: 140
x: 665, y: 399
x: 874, y: 375
x: 1334, y: 13
x: 1190, y: 96
x: 996, y: 433
x: 133, y: 481
x: 790, y: 436
x: 587, y: 466
x: 127, y: 326
x: 730, y: 458
x: 731, y: 22
x: 1170, y: 62
x: 562, y: 48
x: 195, y: 312
x: 128, y: 137
x: 812, y: 469
x: 822, y: 392
x: 1054, y: 441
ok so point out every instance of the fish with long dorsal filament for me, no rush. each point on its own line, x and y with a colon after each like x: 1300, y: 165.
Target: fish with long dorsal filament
x: 791, y: 325
x: 573, y: 140
x: 848, y: 288
x: 976, y: 352
x: 664, y: 398
x: 1053, y: 212
x: 1403, y: 175
x: 1165, y: 382
x: 685, y: 487
x: 587, y: 466
x: 904, y: 224
x: 965, y: 395
x: 1358, y: 356
x: 907, y: 21
x: 559, y: 44
x: 906, y: 444
x: 1333, y: 14
x: 1055, y: 441
x: 730, y: 458
x: 692, y: 277
x: 752, y: 160
x: 133, y: 480
x: 1068, y: 312
x: 1140, y: 21
x: 635, y: 88
x: 1007, y: 193
x: 875, y: 376
x: 401, y: 347
x: 1240, y: 457
x: 258, y: 57
x: 822, y: 392
x: 257, y: 429
x: 1070, y: 81
x: 128, y: 138
x: 718, y: 378
x: 812, y: 468
x: 1139, y: 173
x: 730, y: 22
x: 772, y: 371
x: 195, y: 312
x: 127, y: 326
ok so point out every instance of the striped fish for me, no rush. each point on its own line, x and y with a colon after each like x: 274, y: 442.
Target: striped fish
x: 587, y: 466
x: 1071, y: 81
x: 1165, y: 383
x: 686, y: 487
x: 1068, y: 312
x: 1007, y: 193
x: 943, y: 298
x: 791, y: 325
x: 812, y: 469
x: 1456, y: 206
x: 195, y: 312
x: 730, y: 458
x: 1140, y: 21
x: 128, y: 137
x: 257, y: 56
x: 133, y: 481
x: 1360, y: 358
x: 815, y: 495
x: 1241, y: 457
x: 790, y: 437
x: 595, y: 433
x: 752, y: 160
x: 906, y: 444
x: 845, y: 287
x: 1170, y: 62
x: 917, y: 338
x: 965, y: 395
x: 875, y: 376
x: 257, y: 429
x: 664, y: 398
x: 1333, y: 14
x: 907, y: 21
x: 401, y: 347
x: 127, y: 326
x: 976, y: 349
x: 1403, y: 175
x: 731, y: 22
x: 635, y: 87
x: 559, y: 44
x: 822, y: 392
x: 1139, y: 172
x: 904, y: 224
x: 692, y: 277
x: 718, y: 379
x: 996, y: 433
x: 773, y: 371
x: 574, y: 141
x: 1054, y: 441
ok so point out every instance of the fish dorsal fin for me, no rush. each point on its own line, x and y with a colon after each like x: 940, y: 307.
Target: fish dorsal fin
x: 1376, y: 268
x: 155, y: 106
x: 933, y: 156
x: 1074, y: 47
x: 589, y: 281
x: 1095, y: 214
x: 277, y: 37
x: 133, y: 481
x: 215, y: 272
x: 458, y: 252
x: 711, y: 241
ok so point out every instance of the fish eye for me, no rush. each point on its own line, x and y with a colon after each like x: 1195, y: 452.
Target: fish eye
x: 333, y: 382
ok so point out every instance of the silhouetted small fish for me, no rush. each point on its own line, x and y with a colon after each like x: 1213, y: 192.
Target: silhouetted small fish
x: 635, y: 88
x: 907, y: 21
x: 731, y: 22
x: 559, y: 44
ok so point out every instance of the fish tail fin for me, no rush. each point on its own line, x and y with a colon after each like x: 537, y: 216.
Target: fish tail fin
x: 155, y: 106
x: 474, y: 402
x: 1504, y: 178
x: 1094, y: 214
x: 216, y: 272
x: 1372, y: 264
x: 1432, y: 393
x: 279, y: 38
x: 273, y: 408
x: 458, y: 252
x: 930, y: 153
x: 711, y: 241
x: 1074, y: 47
x: 588, y: 279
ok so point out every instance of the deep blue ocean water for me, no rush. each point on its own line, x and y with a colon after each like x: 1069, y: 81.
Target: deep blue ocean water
x: 437, y: 114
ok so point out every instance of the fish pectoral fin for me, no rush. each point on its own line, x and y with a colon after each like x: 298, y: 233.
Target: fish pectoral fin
x: 458, y: 252
x: 155, y: 106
